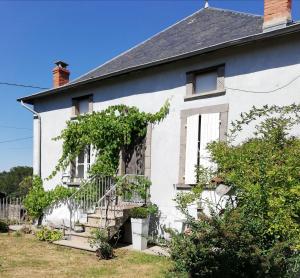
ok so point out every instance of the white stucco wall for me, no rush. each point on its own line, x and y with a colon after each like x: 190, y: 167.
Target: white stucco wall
x: 260, y: 67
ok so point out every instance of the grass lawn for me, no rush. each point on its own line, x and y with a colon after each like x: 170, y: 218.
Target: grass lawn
x: 25, y: 256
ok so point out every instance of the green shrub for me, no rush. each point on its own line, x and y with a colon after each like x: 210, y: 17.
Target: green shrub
x: 143, y: 212
x: 49, y: 235
x: 3, y: 226
x: 220, y: 247
x: 37, y: 200
x: 140, y: 212
x: 258, y: 235
x: 100, y: 241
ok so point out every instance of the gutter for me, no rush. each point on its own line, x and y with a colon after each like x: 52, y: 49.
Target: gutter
x: 237, y: 42
x: 39, y: 131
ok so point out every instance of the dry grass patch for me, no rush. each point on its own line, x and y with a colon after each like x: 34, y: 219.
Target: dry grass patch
x: 27, y: 257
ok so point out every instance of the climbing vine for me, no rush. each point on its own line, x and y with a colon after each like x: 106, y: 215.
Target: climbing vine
x: 108, y: 132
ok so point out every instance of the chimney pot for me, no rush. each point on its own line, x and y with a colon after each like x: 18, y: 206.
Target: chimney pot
x: 60, y: 74
x: 277, y: 14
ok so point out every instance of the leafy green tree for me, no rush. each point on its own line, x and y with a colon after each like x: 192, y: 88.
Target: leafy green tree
x: 10, y: 181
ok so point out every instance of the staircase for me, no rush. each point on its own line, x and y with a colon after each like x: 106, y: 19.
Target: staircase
x: 98, y: 200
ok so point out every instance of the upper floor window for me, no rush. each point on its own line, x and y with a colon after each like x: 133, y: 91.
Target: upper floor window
x: 82, y: 105
x: 205, y: 83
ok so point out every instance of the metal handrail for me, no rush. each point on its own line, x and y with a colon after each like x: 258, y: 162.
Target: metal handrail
x: 87, y: 197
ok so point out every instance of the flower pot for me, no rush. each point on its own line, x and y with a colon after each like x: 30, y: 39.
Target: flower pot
x: 78, y: 228
x: 139, y: 228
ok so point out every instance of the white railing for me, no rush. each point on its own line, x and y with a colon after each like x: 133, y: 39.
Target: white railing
x: 103, y: 194
x: 11, y: 208
x: 86, y: 198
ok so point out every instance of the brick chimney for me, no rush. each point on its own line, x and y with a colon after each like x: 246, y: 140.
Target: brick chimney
x: 277, y: 14
x: 60, y: 74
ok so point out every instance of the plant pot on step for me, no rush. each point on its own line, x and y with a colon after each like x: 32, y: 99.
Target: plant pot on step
x: 140, y: 229
x: 78, y: 228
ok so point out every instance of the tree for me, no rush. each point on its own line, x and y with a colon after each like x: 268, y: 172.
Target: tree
x: 10, y: 181
x: 258, y: 236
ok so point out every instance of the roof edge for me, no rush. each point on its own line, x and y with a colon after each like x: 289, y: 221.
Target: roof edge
x: 240, y: 41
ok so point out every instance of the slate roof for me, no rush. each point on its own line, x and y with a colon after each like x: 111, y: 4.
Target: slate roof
x: 205, y: 28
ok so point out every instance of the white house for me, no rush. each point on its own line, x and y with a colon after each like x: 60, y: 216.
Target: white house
x: 212, y: 66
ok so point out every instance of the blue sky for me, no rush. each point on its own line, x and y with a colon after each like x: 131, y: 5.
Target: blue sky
x: 82, y: 33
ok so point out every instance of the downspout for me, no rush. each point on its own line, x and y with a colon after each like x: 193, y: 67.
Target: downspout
x: 38, y: 117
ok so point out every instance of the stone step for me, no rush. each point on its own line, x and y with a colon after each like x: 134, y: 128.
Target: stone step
x: 76, y: 243
x: 110, y: 216
x: 89, y: 228
x: 100, y: 222
x: 123, y: 207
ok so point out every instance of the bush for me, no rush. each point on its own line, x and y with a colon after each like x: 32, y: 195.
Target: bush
x: 258, y: 234
x: 100, y: 241
x: 220, y: 247
x: 3, y: 227
x: 140, y: 212
x: 37, y: 200
x: 143, y: 212
x: 46, y: 234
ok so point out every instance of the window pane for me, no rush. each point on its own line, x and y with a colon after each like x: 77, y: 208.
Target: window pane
x: 81, y: 157
x: 80, y: 171
x: 88, y: 154
x: 206, y: 82
x: 83, y: 106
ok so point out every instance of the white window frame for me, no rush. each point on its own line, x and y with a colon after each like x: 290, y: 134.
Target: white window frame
x: 201, y: 129
x: 184, y: 114
x: 86, y: 166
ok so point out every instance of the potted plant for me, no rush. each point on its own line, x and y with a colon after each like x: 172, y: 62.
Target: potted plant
x: 78, y: 227
x: 140, y: 225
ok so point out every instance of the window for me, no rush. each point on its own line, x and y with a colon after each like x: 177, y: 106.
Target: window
x: 205, y: 83
x: 200, y: 130
x: 81, y: 166
x: 82, y: 105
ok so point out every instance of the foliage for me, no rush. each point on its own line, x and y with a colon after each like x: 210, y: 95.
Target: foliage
x: 139, y: 212
x: 3, y: 226
x: 143, y: 212
x: 25, y: 186
x: 137, y: 186
x: 100, y: 241
x: 46, y: 234
x: 37, y: 200
x: 260, y: 235
x: 220, y: 247
x: 10, y: 181
x: 109, y: 132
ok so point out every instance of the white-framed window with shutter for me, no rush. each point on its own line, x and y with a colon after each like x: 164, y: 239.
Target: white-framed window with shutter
x: 201, y: 129
x: 81, y: 166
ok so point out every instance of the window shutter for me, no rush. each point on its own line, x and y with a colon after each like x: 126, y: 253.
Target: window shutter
x: 210, y: 131
x: 192, y: 135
